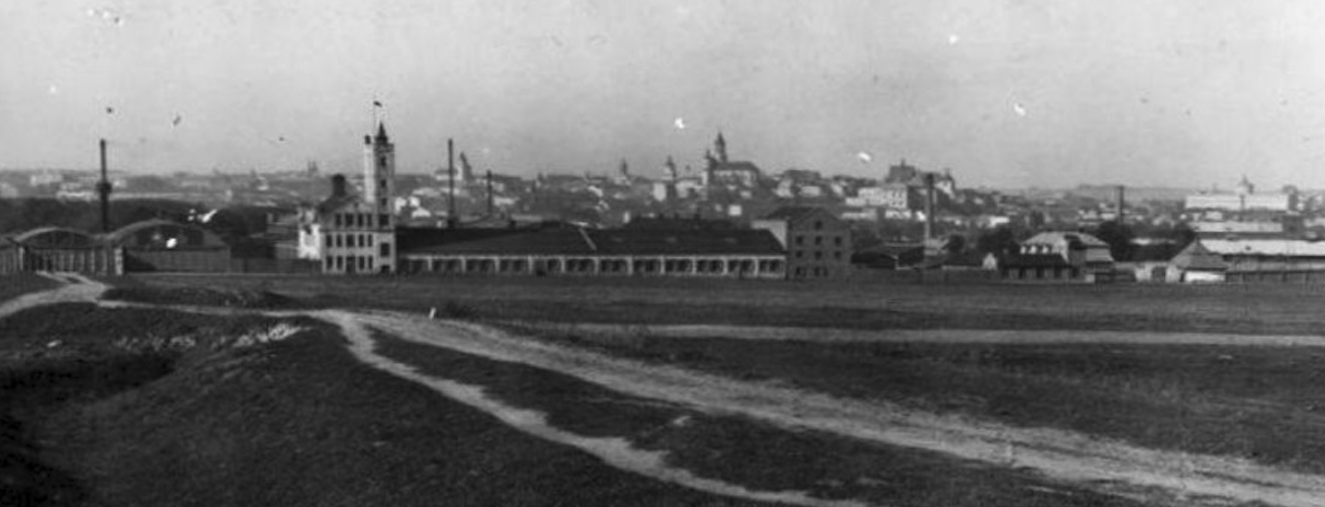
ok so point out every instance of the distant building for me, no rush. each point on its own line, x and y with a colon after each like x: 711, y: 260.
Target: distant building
x: 722, y: 171
x: 694, y: 252
x: 356, y: 233
x: 1243, y: 199
x: 166, y: 246
x: 59, y: 249
x: 818, y: 244
x: 1060, y: 257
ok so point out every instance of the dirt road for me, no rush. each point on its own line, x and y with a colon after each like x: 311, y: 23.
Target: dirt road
x: 1167, y: 478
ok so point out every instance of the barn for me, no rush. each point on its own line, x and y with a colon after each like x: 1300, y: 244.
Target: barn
x: 163, y: 245
x: 58, y: 249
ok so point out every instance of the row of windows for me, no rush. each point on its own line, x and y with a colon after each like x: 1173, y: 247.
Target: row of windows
x: 349, y: 240
x: 357, y: 241
x: 587, y: 265
x: 350, y: 263
x: 362, y: 220
x: 818, y: 240
x: 801, y: 272
x: 819, y: 254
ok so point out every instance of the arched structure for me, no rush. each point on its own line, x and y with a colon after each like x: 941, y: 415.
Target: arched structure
x: 163, y: 245
x: 59, y: 249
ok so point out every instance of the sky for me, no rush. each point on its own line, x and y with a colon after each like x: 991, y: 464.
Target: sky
x: 1005, y: 93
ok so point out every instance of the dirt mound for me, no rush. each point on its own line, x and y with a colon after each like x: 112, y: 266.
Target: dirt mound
x: 240, y: 298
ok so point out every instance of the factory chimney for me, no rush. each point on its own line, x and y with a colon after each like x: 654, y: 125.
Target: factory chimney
x: 103, y: 189
x: 929, y: 206
x: 450, y: 171
x: 490, y: 199
x: 1122, y: 201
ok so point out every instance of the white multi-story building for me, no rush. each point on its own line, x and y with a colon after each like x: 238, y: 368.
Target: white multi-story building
x: 356, y: 233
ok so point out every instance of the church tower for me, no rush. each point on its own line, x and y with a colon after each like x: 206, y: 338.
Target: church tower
x: 720, y: 146
x: 379, y: 171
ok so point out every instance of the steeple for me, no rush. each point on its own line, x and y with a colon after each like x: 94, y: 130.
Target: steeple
x: 720, y: 145
x: 381, y: 133
x: 379, y: 171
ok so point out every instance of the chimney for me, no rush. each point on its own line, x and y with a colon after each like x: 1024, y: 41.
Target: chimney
x: 490, y: 199
x: 338, y: 186
x: 450, y: 171
x: 929, y: 206
x: 103, y: 189
x: 1122, y: 201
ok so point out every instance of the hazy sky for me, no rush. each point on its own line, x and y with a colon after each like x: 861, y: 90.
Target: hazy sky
x: 1012, y: 92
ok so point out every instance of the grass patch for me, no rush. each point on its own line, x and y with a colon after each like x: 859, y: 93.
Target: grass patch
x: 1264, y: 404
x: 744, y: 451
x: 292, y: 422
x: 1250, y: 309
x: 18, y: 284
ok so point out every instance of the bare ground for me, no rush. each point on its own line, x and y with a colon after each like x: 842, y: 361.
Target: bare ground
x: 1166, y: 477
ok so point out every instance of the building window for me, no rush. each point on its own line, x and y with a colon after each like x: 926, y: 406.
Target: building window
x: 837, y: 241
x: 818, y: 255
x: 335, y: 218
x: 800, y: 240
x: 381, y: 184
x: 818, y: 240
x: 800, y: 254
x: 382, y: 202
x: 384, y: 220
x: 381, y: 162
x: 328, y: 241
x: 837, y: 255
x: 818, y: 225
x: 385, y: 249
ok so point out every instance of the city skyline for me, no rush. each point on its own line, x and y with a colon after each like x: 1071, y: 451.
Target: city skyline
x: 1017, y: 93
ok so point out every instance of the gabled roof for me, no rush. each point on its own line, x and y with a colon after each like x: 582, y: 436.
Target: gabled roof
x: 1067, y: 237
x: 576, y: 241
x: 685, y: 242
x: 559, y: 241
x: 1198, y: 257
x: 1034, y: 261
x: 333, y: 203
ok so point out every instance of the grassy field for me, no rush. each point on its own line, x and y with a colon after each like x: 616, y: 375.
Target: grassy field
x: 149, y: 407
x: 12, y: 286
x: 1256, y: 309
x: 747, y: 452
x: 1263, y: 404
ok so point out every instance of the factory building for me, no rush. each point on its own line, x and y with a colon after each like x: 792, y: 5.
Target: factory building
x: 58, y: 249
x: 163, y: 245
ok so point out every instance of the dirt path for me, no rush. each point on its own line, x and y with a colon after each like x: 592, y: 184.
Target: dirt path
x: 837, y: 335
x: 76, y: 289
x: 1110, y: 466
x: 1167, y: 478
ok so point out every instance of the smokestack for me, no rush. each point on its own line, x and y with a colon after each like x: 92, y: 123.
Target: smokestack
x: 929, y: 206
x: 1122, y: 201
x: 338, y: 186
x: 450, y: 171
x: 489, y: 177
x: 103, y: 188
